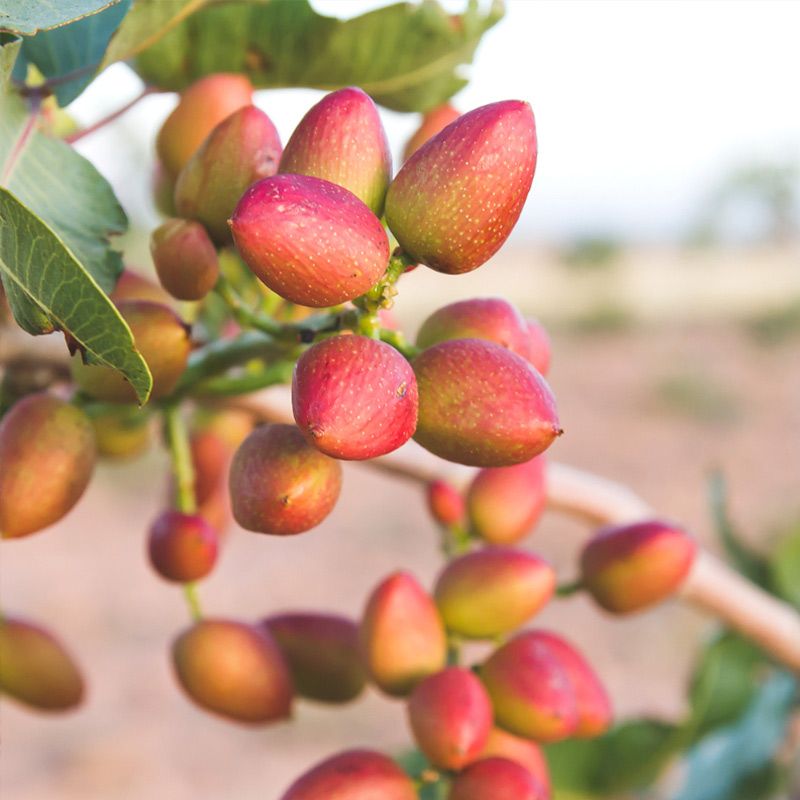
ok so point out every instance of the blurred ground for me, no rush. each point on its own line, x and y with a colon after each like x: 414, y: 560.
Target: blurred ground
x: 658, y: 382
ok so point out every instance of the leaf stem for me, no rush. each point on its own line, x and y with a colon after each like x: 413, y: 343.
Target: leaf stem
x: 18, y: 147
x: 74, y: 137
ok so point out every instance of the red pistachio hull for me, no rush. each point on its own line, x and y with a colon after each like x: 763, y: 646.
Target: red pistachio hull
x: 185, y: 259
x: 354, y: 397
x: 182, y: 547
x: 341, y: 139
x: 481, y: 405
x: 309, y: 240
x: 433, y: 121
x: 497, y: 779
x: 456, y: 200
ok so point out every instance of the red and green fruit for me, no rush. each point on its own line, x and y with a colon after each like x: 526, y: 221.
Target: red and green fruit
x: 446, y: 503
x: 182, y: 547
x: 402, y: 635
x: 496, y: 779
x: 492, y: 591
x: 309, y: 240
x: 481, y: 405
x: 354, y: 397
x: 505, y: 503
x: 630, y: 567
x: 185, y: 259
x: 322, y: 652
x: 233, y: 669
x: 341, y: 139
x: 450, y: 715
x: 524, y: 751
x: 47, y: 456
x: 456, y: 200
x: 433, y: 121
x: 35, y: 669
x: 280, y: 484
x: 353, y: 775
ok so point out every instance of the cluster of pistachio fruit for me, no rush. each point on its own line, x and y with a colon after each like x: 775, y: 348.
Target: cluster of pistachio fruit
x: 324, y: 224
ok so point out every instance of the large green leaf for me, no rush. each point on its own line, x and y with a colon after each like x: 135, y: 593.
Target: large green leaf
x: 408, y: 56
x: 723, y: 685
x: 68, y: 57
x: 49, y: 290
x: 29, y: 16
x: 146, y: 23
x: 62, y: 188
x: 628, y: 757
x: 722, y: 760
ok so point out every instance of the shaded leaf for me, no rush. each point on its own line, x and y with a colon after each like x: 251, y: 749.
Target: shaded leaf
x: 723, y: 685
x: 29, y: 16
x: 9, y: 50
x: 408, y: 56
x: 628, y: 757
x: 745, y: 560
x: 785, y: 567
x: 145, y: 24
x: 74, y: 49
x: 49, y: 290
x: 63, y: 189
x: 717, y: 764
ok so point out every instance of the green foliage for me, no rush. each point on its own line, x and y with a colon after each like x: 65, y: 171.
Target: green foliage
x: 591, y: 252
x: 627, y: 758
x: 9, y: 51
x: 49, y: 290
x: 717, y: 764
x: 784, y: 566
x: 74, y: 49
x: 406, y: 56
x: 30, y: 16
x: 775, y: 326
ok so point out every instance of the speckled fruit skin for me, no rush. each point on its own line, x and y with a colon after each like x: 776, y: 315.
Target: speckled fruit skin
x: 47, y: 456
x: 450, y: 715
x: 309, y: 240
x: 402, y: 636
x: 531, y: 692
x: 162, y: 339
x: 353, y: 775
x: 492, y: 591
x: 322, y: 651
x: 241, y: 150
x: 432, y: 122
x: 525, y: 752
x: 35, y: 669
x: 182, y: 547
x: 234, y: 670
x: 496, y: 779
x: 539, y: 347
x: 354, y: 397
x: 631, y: 567
x: 341, y: 139
x: 594, y: 707
x: 185, y: 259
x: 446, y: 503
x: 201, y: 107
x: 456, y: 200
x: 504, y: 503
x: 281, y: 485
x: 481, y: 405
x: 492, y: 318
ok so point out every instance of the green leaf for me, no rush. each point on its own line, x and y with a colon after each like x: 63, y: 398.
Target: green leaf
x: 723, y: 685
x: 62, y: 188
x: 49, y: 290
x: 9, y: 50
x: 745, y: 560
x: 68, y: 57
x: 717, y: 764
x: 145, y: 24
x: 408, y: 56
x: 29, y: 16
x: 626, y: 758
x: 785, y: 567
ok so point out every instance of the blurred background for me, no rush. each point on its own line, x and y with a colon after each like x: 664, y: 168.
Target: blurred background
x: 660, y: 246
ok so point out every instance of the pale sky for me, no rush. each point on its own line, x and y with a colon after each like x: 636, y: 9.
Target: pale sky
x: 641, y: 105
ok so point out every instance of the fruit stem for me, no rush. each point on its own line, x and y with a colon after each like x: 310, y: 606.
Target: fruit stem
x: 193, y: 601
x: 74, y: 137
x: 245, y: 316
x: 225, y: 386
x: 181, y: 455
x: 568, y: 589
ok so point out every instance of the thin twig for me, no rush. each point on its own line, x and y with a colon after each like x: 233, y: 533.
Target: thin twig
x: 101, y: 123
